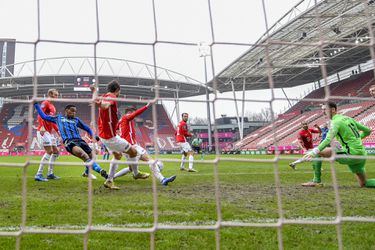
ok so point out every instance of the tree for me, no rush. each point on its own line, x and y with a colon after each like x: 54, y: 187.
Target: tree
x: 264, y: 115
x: 199, y: 120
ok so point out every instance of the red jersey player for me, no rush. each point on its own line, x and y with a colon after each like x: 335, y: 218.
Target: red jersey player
x: 127, y: 131
x: 305, y: 139
x: 107, y: 123
x: 47, y: 138
x: 181, y: 134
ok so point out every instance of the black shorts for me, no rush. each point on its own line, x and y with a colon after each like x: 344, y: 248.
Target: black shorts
x: 70, y: 143
x: 196, y: 149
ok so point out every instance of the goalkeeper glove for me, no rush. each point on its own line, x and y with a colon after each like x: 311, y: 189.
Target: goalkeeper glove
x: 311, y: 154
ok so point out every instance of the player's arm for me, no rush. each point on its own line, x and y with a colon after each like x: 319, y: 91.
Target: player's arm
x: 43, y: 115
x: 316, y: 129
x: 365, y: 131
x: 83, y: 126
x: 186, y: 132
x: 103, y: 104
x: 136, y: 113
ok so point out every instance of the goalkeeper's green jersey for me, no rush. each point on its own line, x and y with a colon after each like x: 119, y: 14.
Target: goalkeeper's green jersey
x: 196, y: 142
x: 347, y: 132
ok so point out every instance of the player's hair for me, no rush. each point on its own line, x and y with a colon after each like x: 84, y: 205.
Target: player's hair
x: 184, y: 114
x: 130, y: 108
x: 69, y: 106
x: 332, y: 105
x: 372, y: 86
x: 50, y: 91
x: 113, y: 86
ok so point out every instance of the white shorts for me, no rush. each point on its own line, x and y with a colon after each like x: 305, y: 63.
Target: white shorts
x: 140, y: 151
x: 116, y: 144
x: 185, y: 147
x: 46, y: 139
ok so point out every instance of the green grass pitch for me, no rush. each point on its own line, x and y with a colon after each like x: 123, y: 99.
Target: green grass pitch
x: 247, y: 195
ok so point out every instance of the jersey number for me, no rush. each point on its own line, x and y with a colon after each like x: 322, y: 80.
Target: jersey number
x: 354, y: 130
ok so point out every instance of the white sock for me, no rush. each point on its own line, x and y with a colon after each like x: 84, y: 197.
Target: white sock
x: 51, y: 163
x: 191, y: 161
x: 112, y: 169
x: 43, y: 161
x: 183, y: 158
x: 133, y: 165
x: 155, y: 170
x: 122, y: 172
x: 299, y: 161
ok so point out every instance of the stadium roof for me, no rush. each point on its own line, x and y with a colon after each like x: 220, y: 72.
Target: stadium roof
x: 137, y: 79
x: 343, y: 28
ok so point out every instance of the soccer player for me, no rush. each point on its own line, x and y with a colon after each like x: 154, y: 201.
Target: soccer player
x: 305, y: 139
x: 347, y: 132
x: 47, y: 138
x: 68, y: 126
x: 181, y: 134
x: 196, y: 145
x: 127, y: 131
x: 107, y: 123
x: 372, y: 90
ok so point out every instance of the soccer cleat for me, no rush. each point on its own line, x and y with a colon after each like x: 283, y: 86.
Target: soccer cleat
x: 182, y: 169
x: 312, y: 184
x: 292, y: 165
x: 104, y: 174
x: 93, y: 177
x: 192, y: 170
x: 53, y: 177
x: 166, y: 180
x: 141, y: 175
x: 40, y: 177
x: 109, y: 184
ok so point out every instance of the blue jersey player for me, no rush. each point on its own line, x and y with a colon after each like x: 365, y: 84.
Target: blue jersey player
x: 68, y: 128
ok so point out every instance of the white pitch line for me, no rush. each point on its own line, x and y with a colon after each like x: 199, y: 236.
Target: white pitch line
x: 192, y: 223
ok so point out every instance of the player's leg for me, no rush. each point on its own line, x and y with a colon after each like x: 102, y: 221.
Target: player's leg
x: 317, y: 168
x: 202, y: 153
x: 190, y: 153
x: 357, y: 167
x: 113, y: 165
x: 43, y: 140
x: 95, y: 166
x: 54, y: 156
x: 183, y: 158
x: 120, y: 145
x: 156, y: 170
x: 80, y: 149
x: 361, y: 178
x: 140, y: 151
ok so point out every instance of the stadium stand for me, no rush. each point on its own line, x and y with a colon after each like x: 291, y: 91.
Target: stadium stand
x: 287, y: 125
x: 14, y: 126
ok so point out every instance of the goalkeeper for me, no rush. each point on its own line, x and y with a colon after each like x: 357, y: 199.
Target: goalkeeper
x: 347, y: 132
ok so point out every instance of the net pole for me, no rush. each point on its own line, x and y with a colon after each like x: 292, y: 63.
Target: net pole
x: 155, y: 134
x: 276, y: 165
x: 327, y: 97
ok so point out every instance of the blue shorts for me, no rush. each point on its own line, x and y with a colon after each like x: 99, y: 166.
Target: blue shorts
x: 71, y: 143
